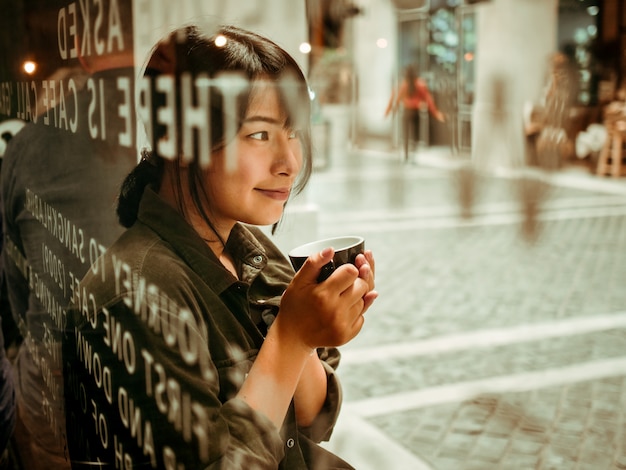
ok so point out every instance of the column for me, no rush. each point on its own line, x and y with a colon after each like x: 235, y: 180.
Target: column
x: 515, y: 38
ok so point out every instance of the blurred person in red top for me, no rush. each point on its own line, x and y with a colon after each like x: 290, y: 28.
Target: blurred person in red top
x: 413, y: 95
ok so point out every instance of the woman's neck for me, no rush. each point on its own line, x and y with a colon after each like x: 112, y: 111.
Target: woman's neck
x: 215, y: 237
x: 217, y: 247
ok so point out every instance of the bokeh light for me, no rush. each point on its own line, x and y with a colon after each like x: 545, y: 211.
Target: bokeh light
x: 29, y: 67
x: 220, y: 41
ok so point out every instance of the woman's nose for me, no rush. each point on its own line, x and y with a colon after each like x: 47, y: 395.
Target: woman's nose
x: 288, y: 155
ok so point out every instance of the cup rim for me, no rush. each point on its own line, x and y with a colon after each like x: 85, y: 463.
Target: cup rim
x: 303, y: 251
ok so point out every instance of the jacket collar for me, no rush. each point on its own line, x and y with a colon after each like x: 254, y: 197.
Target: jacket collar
x: 172, y: 227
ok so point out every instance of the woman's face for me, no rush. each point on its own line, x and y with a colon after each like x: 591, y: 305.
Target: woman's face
x: 251, y: 178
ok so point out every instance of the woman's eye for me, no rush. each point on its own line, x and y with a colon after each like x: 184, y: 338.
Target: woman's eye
x: 261, y: 135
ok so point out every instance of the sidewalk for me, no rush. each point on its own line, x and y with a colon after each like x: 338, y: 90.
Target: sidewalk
x: 484, y: 350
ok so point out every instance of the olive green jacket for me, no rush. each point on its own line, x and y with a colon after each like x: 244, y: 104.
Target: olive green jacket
x: 159, y: 341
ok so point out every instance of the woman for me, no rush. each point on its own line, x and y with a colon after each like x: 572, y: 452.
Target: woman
x: 412, y: 95
x: 197, y: 365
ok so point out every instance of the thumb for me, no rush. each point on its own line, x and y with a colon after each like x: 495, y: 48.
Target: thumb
x: 310, y: 270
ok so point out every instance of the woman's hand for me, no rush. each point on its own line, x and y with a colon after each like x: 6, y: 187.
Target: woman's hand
x: 329, y: 313
x: 311, y: 315
x: 312, y: 387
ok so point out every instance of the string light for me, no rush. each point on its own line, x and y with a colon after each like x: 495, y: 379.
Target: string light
x: 29, y: 67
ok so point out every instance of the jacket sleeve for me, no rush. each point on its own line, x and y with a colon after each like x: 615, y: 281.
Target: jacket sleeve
x: 322, y: 427
x: 253, y: 440
x: 160, y: 406
x: 269, y: 287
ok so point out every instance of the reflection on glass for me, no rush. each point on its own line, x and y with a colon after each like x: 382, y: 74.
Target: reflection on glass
x: 143, y: 292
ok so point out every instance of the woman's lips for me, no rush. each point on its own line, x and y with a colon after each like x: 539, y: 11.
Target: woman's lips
x: 281, y: 194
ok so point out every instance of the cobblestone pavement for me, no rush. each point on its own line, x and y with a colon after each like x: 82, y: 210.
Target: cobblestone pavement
x: 487, y: 348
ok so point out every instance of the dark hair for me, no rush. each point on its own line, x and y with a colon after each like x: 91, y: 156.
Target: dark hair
x: 187, y: 52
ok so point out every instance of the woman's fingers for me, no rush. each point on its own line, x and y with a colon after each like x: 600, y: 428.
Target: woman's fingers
x: 368, y: 299
x: 329, y: 313
x: 310, y: 270
x: 370, y: 259
x: 365, y: 263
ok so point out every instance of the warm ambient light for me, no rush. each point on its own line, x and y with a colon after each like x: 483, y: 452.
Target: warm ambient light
x: 220, y: 41
x: 29, y: 67
x: 381, y: 43
x: 305, y: 48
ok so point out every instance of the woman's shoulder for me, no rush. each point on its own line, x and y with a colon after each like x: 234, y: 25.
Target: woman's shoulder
x: 137, y: 242
x: 138, y: 255
x: 147, y: 254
